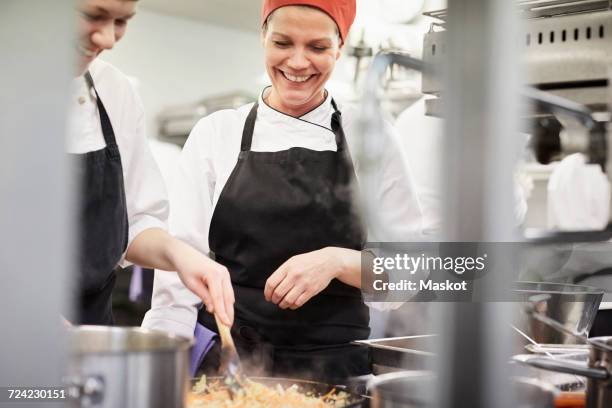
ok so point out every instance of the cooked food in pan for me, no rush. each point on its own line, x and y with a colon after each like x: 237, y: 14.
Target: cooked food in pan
x: 214, y: 394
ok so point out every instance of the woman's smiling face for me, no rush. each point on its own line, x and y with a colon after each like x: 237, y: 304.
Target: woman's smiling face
x: 301, y: 46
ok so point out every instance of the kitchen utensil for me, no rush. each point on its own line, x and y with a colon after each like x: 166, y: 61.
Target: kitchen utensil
x: 561, y: 381
x: 399, y: 353
x: 230, y: 367
x: 599, y: 368
x: 598, y: 372
x: 533, y: 308
x: 562, y: 349
x: 403, y: 389
x: 127, y: 367
x: 573, y: 306
x: 549, y: 354
x: 418, y: 389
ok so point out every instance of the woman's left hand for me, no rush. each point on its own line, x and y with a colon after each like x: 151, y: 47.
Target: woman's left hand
x: 304, y: 276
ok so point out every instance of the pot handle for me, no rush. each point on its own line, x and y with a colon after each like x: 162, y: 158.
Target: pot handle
x: 568, y: 368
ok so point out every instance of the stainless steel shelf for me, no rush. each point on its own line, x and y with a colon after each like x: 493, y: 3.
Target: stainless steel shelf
x: 437, y: 14
x: 554, y: 8
x: 544, y: 8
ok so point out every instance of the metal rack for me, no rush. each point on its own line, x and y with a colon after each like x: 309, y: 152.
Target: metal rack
x: 437, y: 14
x: 565, y: 51
x: 554, y: 8
x: 544, y: 8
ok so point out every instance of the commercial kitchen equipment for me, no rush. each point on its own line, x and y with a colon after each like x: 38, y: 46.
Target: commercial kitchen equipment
x: 573, y: 306
x: 598, y: 370
x: 416, y: 389
x: 399, y: 353
x: 566, y: 53
x: 127, y: 367
x: 407, y: 389
x: 482, y: 111
x: 567, y: 46
x: 175, y: 122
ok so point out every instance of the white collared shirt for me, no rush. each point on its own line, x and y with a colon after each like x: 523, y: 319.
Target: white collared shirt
x: 207, y: 160
x: 145, y: 192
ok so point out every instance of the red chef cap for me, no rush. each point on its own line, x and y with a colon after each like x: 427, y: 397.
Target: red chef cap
x: 341, y: 11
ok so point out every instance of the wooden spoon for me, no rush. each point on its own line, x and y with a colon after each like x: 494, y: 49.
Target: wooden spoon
x: 230, y: 367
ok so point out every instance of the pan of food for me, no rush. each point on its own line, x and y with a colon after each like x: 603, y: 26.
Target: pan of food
x: 271, y: 392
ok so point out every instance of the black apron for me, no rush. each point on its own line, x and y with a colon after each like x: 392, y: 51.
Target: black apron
x: 276, y: 205
x: 103, y: 224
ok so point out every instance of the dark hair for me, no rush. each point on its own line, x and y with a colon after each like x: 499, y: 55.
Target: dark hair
x: 264, y: 27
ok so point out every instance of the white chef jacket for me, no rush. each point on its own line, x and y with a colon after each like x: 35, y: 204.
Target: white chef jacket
x: 207, y: 160
x: 423, y: 138
x: 145, y: 192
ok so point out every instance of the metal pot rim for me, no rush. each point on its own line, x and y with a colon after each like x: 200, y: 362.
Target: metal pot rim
x: 386, y: 378
x: 114, y: 341
x: 579, y: 289
x: 603, y: 339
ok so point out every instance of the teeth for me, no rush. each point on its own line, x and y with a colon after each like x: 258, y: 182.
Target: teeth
x: 294, y: 78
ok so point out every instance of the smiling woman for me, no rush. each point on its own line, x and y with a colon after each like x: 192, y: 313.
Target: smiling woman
x: 122, y: 201
x: 267, y: 188
x: 102, y: 23
x: 301, y: 47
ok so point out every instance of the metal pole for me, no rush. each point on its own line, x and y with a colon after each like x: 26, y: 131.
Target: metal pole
x: 35, y: 206
x: 481, y: 107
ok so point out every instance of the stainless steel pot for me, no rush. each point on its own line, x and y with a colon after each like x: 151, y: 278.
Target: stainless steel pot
x: 416, y: 389
x: 116, y: 367
x: 598, y: 371
x: 403, y: 389
x: 573, y: 306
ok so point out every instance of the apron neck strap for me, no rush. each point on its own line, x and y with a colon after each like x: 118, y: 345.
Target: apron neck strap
x: 107, y: 127
x: 249, y: 127
x: 336, y: 126
x: 333, y: 104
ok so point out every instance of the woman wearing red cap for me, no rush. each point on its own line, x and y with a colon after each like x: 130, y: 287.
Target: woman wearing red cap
x: 266, y: 190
